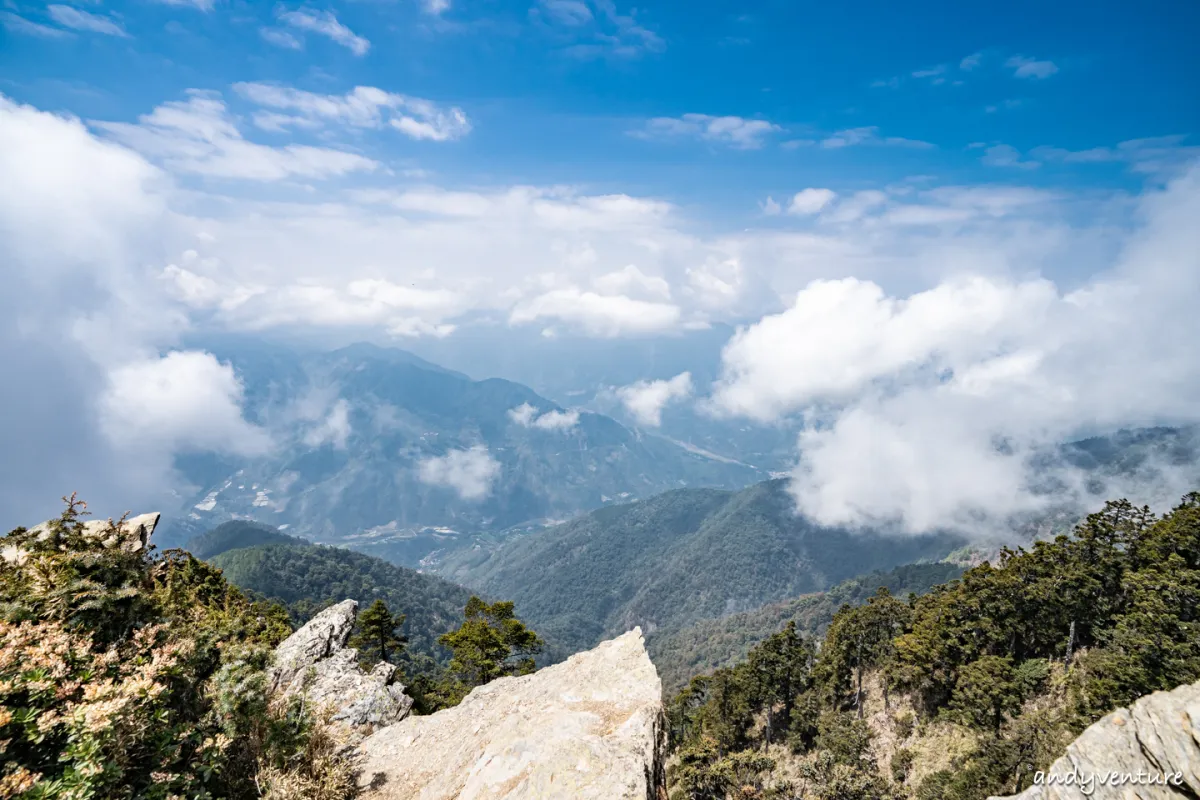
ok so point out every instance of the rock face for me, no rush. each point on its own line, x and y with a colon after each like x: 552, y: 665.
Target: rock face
x: 1157, y: 737
x: 590, y: 728
x: 314, y: 661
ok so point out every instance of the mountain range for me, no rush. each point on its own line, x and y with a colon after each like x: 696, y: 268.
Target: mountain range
x: 674, y: 559
x: 378, y: 449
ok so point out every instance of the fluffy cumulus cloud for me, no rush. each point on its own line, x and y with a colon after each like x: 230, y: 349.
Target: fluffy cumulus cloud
x: 527, y: 416
x: 469, y: 473
x: 645, y: 400
x: 91, y: 402
x: 185, y: 399
x: 927, y: 410
x: 597, y: 314
x: 810, y: 201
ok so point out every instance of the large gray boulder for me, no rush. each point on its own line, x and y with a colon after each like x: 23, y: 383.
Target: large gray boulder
x: 1152, y: 747
x: 316, y: 663
x: 590, y: 728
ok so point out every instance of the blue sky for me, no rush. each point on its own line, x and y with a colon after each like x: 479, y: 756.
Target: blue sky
x: 556, y: 91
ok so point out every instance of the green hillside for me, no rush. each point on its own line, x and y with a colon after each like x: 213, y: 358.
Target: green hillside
x: 677, y: 558
x: 307, y: 578
x: 237, y: 534
x: 712, y: 643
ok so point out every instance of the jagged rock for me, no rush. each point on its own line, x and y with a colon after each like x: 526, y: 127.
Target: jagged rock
x: 590, y: 728
x: 1157, y: 736
x: 136, y: 533
x: 314, y: 661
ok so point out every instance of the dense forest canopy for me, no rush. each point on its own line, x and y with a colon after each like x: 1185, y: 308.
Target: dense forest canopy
x: 1006, y: 664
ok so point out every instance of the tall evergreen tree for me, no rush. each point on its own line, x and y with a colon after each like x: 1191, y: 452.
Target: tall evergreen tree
x: 378, y: 632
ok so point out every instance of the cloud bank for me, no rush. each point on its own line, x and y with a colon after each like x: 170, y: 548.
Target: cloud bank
x: 927, y: 410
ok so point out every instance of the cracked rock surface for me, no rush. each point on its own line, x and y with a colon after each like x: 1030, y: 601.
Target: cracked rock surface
x: 590, y: 728
x: 315, y: 662
x: 1158, y: 735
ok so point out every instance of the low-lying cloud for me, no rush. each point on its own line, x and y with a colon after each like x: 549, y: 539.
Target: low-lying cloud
x: 928, y: 410
x: 645, y: 400
x: 527, y: 416
x: 469, y: 473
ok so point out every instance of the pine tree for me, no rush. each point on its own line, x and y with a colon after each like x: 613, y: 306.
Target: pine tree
x: 378, y: 631
x: 491, y: 643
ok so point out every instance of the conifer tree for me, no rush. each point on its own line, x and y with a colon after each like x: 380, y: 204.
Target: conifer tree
x: 378, y: 631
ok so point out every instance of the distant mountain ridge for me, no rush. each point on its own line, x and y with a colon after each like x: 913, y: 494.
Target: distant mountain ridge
x: 307, y: 578
x: 235, y: 535
x: 675, y: 559
x: 354, y: 427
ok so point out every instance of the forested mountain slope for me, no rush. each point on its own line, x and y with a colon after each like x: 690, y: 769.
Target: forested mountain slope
x: 964, y: 692
x: 235, y: 534
x: 676, y: 558
x: 305, y: 579
x: 711, y: 643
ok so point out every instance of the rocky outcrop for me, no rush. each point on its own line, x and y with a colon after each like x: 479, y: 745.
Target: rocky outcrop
x: 135, y: 532
x: 590, y: 728
x: 316, y: 663
x: 1152, y: 749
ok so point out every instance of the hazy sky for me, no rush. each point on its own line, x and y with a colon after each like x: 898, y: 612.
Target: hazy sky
x: 943, y: 224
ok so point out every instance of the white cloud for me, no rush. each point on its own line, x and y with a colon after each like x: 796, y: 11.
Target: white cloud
x: 557, y: 420
x: 527, y: 416
x: 869, y: 135
x: 596, y: 314
x: 645, y: 400
x: 925, y: 410
x: 970, y: 62
x: 810, y: 201
x: 1155, y: 155
x: 1005, y: 155
x: 855, y: 207
x: 78, y: 20
x: 281, y: 38
x: 362, y: 107
x: 199, y: 136
x: 631, y: 280
x: 14, y: 23
x: 737, y: 132
x: 770, y: 207
x: 435, y: 7
x: 935, y: 75
x: 334, y: 429
x: 595, y: 28
x: 470, y: 473
x: 200, y: 5
x: 325, y: 23
x: 185, y: 399
x: 157, y: 259
x: 523, y: 414
x: 1031, y: 68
